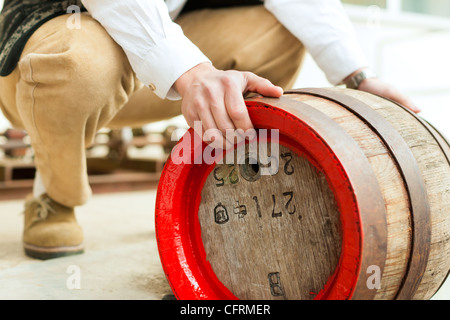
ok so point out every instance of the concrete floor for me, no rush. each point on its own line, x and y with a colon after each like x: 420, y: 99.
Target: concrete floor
x: 121, y: 259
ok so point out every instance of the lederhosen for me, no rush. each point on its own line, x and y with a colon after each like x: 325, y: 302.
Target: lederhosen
x: 20, y: 18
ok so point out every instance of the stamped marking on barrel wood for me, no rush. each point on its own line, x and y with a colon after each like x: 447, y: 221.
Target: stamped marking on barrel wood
x: 282, y: 239
x: 220, y: 214
x: 275, y: 285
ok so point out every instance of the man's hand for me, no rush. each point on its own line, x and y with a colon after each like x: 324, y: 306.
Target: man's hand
x: 215, y: 98
x: 376, y: 86
x: 380, y: 88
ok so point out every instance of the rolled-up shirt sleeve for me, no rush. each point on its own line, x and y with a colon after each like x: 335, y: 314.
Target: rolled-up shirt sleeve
x: 156, y: 47
x: 326, y: 32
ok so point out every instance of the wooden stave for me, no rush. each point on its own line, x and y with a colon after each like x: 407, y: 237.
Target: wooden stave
x: 436, y: 145
x: 415, y: 288
x: 413, y: 182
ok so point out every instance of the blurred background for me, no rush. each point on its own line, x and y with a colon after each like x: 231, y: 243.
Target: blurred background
x: 408, y: 45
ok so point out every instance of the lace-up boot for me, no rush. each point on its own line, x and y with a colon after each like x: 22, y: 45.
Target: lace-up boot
x: 51, y: 229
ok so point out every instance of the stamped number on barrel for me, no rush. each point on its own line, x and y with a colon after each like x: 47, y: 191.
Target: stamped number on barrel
x: 228, y: 174
x: 240, y: 210
x: 275, y: 284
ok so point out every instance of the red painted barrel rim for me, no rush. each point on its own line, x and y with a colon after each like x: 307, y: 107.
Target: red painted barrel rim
x: 178, y: 198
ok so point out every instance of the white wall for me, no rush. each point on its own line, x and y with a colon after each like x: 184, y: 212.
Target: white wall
x: 409, y: 51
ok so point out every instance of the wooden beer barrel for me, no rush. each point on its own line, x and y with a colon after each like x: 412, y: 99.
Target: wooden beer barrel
x: 358, y: 207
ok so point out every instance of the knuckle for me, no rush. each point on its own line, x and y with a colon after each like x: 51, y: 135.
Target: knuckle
x: 237, y: 113
x: 192, y: 115
x: 199, y: 104
x: 215, y: 103
x: 225, y: 127
x: 226, y: 80
x: 209, y: 90
x: 215, y: 108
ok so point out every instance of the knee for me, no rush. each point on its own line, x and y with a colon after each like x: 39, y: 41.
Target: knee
x: 85, y: 61
x: 98, y: 71
x: 76, y: 79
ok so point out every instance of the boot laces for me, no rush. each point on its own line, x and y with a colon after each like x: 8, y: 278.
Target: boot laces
x: 43, y: 207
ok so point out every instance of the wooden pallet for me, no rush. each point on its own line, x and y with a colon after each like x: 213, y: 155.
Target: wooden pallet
x: 17, y: 178
x: 113, y: 172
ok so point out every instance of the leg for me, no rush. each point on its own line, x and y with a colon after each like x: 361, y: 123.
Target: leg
x: 68, y: 84
x: 242, y: 38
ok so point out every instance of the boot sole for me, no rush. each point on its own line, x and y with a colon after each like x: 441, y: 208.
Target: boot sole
x: 45, y: 253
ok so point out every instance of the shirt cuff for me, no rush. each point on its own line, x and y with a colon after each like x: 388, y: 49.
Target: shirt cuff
x: 341, y: 59
x: 163, y: 66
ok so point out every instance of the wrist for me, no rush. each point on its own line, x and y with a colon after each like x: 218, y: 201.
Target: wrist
x: 354, y: 80
x: 184, y: 81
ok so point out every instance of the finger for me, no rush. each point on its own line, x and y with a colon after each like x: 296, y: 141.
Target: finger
x: 192, y: 118
x: 400, y: 98
x: 210, y: 132
x: 237, y: 110
x: 262, y: 86
x: 196, y: 111
x: 408, y: 104
x: 377, y: 87
x: 222, y: 119
x: 189, y: 114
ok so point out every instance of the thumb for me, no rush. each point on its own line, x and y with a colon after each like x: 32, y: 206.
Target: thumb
x: 262, y: 86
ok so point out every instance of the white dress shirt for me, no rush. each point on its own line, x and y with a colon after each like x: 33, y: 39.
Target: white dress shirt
x: 160, y: 53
